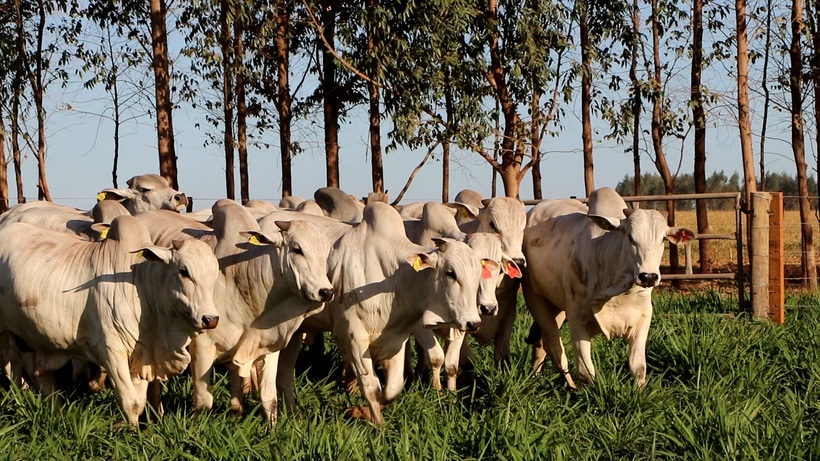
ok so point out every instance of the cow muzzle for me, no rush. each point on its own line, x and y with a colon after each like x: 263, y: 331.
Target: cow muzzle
x: 209, y: 322
x: 487, y: 309
x: 648, y: 280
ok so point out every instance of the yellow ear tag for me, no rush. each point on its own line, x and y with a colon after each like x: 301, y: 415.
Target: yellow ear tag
x: 463, y: 213
x: 104, y: 234
x: 101, y: 196
x: 254, y: 240
x: 417, y: 263
x: 139, y: 254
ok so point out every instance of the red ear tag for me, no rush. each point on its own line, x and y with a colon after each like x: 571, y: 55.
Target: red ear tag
x: 513, y: 272
x: 486, y: 273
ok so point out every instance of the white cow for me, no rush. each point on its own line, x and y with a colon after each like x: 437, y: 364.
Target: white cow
x: 49, y: 215
x: 386, y: 284
x: 273, y: 273
x: 146, y: 192
x: 507, y: 218
x: 122, y: 303
x: 597, y: 272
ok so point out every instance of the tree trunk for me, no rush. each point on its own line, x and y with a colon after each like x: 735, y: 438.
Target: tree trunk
x: 511, y: 159
x: 330, y: 91
x: 767, y: 94
x: 227, y: 97
x: 20, y: 71
x: 4, y: 168
x: 38, y: 88
x: 283, y: 101
x: 16, y: 154
x: 241, y: 110
x: 535, y: 146
x: 636, y: 97
x: 373, y: 43
x: 743, y: 116
x: 658, y: 132
x: 162, y: 89
x: 586, y: 99
x: 808, y: 264
x: 699, y: 120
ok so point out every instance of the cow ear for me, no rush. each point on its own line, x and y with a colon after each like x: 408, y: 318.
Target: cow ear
x: 284, y: 225
x: 678, y: 235
x: 257, y: 237
x: 115, y: 194
x: 441, y: 242
x: 421, y: 261
x: 102, y: 229
x: 488, y: 268
x: 510, y: 268
x: 154, y: 253
x: 604, y: 222
x: 463, y: 210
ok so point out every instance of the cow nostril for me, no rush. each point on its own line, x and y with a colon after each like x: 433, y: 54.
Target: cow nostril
x: 326, y: 294
x: 521, y: 262
x: 210, y: 321
x: 473, y: 326
x: 487, y: 310
x: 648, y: 279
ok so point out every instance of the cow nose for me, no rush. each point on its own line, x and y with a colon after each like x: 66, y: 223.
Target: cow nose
x: 326, y: 294
x: 473, y: 326
x: 209, y: 322
x: 521, y: 262
x: 486, y: 309
x: 647, y: 279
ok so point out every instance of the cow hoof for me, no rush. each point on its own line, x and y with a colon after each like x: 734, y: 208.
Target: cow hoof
x: 359, y: 412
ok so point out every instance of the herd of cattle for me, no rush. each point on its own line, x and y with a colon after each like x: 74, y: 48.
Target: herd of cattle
x: 145, y: 292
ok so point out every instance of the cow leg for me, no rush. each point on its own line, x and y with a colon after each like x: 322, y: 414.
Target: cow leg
x: 237, y: 386
x: 452, y: 357
x: 355, y: 350
x: 549, y: 319
x: 394, y: 376
x: 203, y: 354
x: 582, y: 346
x: 501, y: 351
x: 507, y: 295
x: 431, y: 349
x: 637, y: 350
x: 287, y: 372
x: 267, y: 385
x: 132, y: 398
x: 154, y: 394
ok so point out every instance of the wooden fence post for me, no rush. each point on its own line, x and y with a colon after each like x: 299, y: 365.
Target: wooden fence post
x: 777, y: 295
x: 759, y: 254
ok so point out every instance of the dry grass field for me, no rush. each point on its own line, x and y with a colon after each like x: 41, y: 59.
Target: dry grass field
x: 724, y: 252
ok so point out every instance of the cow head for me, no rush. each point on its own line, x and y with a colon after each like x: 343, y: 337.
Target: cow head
x: 507, y: 218
x: 494, y: 265
x: 456, y: 276
x: 640, y: 239
x: 304, y: 249
x: 188, y: 271
x: 146, y: 192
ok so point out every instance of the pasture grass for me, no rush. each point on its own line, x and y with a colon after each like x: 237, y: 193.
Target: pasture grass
x: 719, y: 387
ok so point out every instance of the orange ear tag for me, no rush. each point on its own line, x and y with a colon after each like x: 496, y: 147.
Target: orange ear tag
x: 486, y: 273
x: 513, y: 272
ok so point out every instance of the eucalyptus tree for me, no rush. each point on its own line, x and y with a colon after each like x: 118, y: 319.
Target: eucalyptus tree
x: 112, y: 56
x: 808, y: 264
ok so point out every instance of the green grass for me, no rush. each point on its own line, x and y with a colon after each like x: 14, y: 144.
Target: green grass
x: 718, y: 387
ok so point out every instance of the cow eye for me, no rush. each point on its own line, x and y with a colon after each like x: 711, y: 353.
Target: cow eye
x: 296, y: 249
x: 183, y: 272
x: 144, y: 190
x: 451, y: 274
